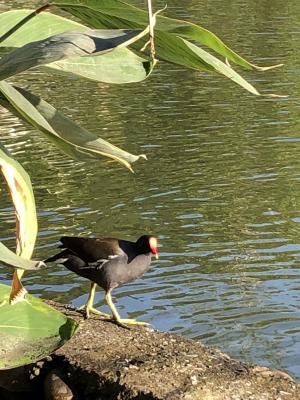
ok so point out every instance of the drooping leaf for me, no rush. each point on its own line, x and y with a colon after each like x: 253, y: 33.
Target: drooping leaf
x: 65, y: 45
x: 48, y: 120
x: 170, y: 46
x: 10, y: 259
x: 179, y: 49
x: 20, y: 188
x: 118, y: 14
x: 30, y: 330
x: 119, y: 66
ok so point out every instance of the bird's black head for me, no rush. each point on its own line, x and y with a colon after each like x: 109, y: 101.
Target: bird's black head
x: 148, y: 244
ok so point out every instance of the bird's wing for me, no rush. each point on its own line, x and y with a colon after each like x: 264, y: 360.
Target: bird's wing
x: 99, y: 263
x: 106, y: 273
x: 92, y: 249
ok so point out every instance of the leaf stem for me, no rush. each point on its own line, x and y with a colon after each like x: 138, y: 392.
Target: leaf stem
x: 151, y: 29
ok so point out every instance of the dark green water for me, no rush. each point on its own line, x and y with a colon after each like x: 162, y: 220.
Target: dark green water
x: 221, y: 188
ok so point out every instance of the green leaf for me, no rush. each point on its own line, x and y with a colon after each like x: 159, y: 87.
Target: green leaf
x: 220, y: 67
x: 20, y: 188
x: 30, y: 330
x: 119, y: 66
x: 65, y: 45
x: 10, y: 259
x: 40, y: 27
x: 180, y: 51
x: 48, y: 120
x: 170, y: 46
x: 117, y: 14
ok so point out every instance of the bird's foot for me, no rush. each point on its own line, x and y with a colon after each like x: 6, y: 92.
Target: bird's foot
x: 91, y: 310
x: 125, y: 322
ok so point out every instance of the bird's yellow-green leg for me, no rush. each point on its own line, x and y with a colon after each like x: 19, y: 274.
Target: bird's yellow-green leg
x: 116, y: 316
x: 89, y: 309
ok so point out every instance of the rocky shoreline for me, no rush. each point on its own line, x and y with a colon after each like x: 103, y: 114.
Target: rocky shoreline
x: 106, y: 362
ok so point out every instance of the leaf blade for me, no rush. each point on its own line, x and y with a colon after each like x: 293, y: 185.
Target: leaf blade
x: 22, y: 195
x: 10, y: 259
x: 23, y: 338
x: 131, y: 16
x: 40, y: 27
x: 63, y: 46
x: 49, y: 121
x: 182, y: 52
x: 119, y: 67
x: 221, y: 67
x: 171, y: 36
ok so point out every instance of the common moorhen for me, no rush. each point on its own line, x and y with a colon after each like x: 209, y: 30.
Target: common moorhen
x: 107, y: 262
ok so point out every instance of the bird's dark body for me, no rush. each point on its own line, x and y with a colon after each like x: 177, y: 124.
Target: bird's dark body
x: 109, y: 262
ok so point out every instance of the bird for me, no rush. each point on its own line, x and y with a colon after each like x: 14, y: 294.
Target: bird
x: 108, y: 263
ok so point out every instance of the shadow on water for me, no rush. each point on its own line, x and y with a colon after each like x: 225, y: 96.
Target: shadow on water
x: 220, y: 188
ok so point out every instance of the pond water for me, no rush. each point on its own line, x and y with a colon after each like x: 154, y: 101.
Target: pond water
x: 221, y: 187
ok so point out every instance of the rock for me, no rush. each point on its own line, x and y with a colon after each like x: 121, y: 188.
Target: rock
x: 55, y: 387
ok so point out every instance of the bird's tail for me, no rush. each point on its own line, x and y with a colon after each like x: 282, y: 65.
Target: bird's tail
x: 61, y: 257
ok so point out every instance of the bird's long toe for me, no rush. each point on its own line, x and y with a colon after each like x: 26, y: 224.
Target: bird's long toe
x: 126, y: 322
x: 98, y: 312
x: 92, y: 310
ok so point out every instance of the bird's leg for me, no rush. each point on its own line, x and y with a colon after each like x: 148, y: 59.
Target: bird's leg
x: 116, y: 316
x: 90, y: 302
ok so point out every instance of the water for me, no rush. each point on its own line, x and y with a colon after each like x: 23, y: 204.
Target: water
x: 220, y: 188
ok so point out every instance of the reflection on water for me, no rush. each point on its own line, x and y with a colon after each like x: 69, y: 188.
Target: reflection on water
x: 220, y: 188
